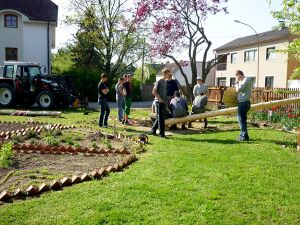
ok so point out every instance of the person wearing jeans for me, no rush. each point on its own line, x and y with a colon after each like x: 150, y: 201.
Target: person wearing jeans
x: 102, y: 99
x: 120, y: 98
x: 160, y: 93
x: 244, y: 89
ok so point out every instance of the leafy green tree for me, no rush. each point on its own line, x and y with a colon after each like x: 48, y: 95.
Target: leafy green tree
x: 290, y: 14
x: 87, y: 46
x: 62, y: 61
x: 107, y: 34
x: 150, y: 72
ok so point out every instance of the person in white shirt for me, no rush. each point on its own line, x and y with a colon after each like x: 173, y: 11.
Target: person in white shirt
x: 200, y: 87
x: 244, y: 90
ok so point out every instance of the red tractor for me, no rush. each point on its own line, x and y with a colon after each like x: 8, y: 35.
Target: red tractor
x: 23, y: 84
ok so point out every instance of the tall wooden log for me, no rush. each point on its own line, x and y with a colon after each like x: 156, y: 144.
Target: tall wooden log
x: 29, y: 113
x: 229, y: 111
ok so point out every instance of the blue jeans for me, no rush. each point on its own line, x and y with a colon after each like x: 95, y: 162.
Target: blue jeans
x: 160, y: 119
x: 121, y: 108
x: 104, y: 112
x: 243, y: 108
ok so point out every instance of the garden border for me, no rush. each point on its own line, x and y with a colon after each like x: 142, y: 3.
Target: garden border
x: 31, y: 191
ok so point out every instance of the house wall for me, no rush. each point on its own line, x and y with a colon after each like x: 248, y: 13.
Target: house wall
x: 11, y: 37
x: 277, y: 67
x: 30, y: 38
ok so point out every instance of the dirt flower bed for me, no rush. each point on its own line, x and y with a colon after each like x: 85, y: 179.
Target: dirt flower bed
x: 35, y: 169
x: 39, y: 157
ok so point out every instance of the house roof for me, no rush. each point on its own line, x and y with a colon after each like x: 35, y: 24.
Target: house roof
x: 252, y: 39
x: 171, y: 66
x: 40, y: 10
x: 174, y: 68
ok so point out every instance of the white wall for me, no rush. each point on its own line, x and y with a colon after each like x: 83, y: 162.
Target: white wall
x: 277, y: 67
x: 11, y: 37
x: 30, y: 38
x: 35, y: 43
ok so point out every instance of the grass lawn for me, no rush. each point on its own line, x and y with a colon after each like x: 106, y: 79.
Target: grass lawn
x: 200, y: 178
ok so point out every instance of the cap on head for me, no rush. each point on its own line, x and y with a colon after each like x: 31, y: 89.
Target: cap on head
x: 199, y: 78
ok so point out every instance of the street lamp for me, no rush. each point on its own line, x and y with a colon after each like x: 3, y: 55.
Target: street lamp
x: 237, y: 21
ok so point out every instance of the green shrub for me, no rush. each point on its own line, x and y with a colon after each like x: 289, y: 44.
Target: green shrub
x: 6, y: 155
x: 51, y: 140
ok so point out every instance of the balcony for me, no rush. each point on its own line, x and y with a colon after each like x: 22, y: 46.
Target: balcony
x: 221, y: 66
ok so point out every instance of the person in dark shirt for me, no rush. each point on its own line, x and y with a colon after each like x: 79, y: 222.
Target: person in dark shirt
x: 172, y: 86
x: 127, y: 86
x: 160, y: 93
x: 102, y: 100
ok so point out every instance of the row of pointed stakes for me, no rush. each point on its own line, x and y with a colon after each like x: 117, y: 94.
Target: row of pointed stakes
x: 47, y: 149
x: 22, y: 132
x: 6, y: 196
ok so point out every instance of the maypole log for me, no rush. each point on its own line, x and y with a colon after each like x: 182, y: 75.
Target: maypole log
x: 229, y: 111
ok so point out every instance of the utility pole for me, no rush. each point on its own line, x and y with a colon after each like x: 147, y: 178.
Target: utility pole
x: 143, y: 59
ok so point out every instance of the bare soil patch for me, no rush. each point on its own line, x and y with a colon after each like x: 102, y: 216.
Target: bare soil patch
x: 35, y: 169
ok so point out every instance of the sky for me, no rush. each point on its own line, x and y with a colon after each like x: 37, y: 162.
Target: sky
x: 219, y: 28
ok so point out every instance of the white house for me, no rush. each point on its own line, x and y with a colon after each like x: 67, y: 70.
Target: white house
x: 27, y: 31
x: 257, y: 57
x: 210, y: 80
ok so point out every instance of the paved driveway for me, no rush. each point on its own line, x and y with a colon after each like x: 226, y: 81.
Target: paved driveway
x: 135, y: 105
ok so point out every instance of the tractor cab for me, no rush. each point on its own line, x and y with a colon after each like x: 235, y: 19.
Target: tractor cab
x: 22, y: 83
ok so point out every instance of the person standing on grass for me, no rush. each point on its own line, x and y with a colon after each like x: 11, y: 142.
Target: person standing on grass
x: 120, y: 98
x: 198, y: 107
x: 244, y: 89
x: 200, y: 87
x: 160, y: 94
x: 127, y: 87
x: 102, y: 100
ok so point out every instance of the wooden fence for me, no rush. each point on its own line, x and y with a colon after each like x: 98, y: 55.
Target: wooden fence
x: 215, y: 95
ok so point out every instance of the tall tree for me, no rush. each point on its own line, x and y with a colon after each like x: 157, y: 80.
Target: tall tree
x: 116, y: 41
x: 85, y: 50
x: 178, y: 25
x: 290, y: 14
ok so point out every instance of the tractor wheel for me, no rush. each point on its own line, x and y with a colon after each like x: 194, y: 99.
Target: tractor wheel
x: 7, y: 95
x: 45, y: 100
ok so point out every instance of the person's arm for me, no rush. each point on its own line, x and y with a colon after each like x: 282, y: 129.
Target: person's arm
x: 155, y: 93
x: 242, y: 87
x: 206, y: 90
x: 105, y: 91
x: 121, y: 90
x: 195, y: 92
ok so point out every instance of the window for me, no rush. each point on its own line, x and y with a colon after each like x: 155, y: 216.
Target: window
x: 222, y: 81
x: 233, y: 57
x: 269, y: 81
x: 232, y: 81
x: 253, y: 79
x: 11, y: 54
x: 222, y: 64
x: 10, y: 21
x: 270, y: 53
x: 250, y: 55
x: 9, y: 71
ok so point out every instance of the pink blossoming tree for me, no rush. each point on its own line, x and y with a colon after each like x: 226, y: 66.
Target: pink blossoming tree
x: 177, y: 26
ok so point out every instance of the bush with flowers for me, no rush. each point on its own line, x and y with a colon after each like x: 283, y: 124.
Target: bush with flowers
x: 283, y: 117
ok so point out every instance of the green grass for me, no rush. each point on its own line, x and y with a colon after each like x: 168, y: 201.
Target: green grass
x: 206, y: 178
